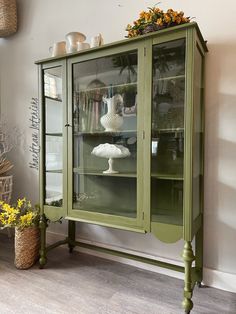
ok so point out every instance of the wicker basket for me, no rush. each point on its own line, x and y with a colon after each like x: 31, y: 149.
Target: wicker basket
x: 26, y: 247
x: 8, y: 17
x: 6, y: 188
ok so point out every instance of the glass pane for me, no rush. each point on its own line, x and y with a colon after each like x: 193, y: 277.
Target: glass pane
x: 168, y: 92
x: 53, y: 135
x: 105, y: 134
x: 197, y: 138
x: 53, y: 189
x: 167, y: 201
x: 53, y: 153
x: 54, y: 116
x: 103, y: 194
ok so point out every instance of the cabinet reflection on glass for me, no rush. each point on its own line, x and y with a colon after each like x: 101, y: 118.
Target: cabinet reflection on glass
x: 167, y: 201
x: 105, y: 134
x: 53, y: 189
x: 111, y: 195
x: 104, y: 78
x: 53, y: 113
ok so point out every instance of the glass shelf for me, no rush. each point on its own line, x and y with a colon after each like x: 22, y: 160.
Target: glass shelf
x: 168, y: 130
x: 53, y: 134
x: 99, y: 133
x: 107, y: 87
x: 100, y: 173
x: 52, y: 98
x: 54, y: 171
x: 177, y: 177
x: 169, y: 78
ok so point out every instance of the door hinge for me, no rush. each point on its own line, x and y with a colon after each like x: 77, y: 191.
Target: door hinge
x: 145, y: 51
x: 143, y: 134
x: 143, y: 215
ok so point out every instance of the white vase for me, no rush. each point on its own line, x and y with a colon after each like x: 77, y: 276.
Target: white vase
x: 111, y: 121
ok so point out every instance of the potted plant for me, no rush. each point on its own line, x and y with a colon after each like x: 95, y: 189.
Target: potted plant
x: 25, y: 219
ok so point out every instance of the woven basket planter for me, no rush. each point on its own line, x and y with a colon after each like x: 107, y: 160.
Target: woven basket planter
x: 8, y: 17
x: 6, y: 188
x: 26, y: 247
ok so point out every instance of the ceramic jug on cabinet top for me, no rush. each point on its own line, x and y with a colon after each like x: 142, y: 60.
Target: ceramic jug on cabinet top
x: 73, y: 38
x: 58, y: 49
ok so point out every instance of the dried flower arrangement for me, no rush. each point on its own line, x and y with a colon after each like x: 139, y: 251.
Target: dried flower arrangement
x: 155, y: 19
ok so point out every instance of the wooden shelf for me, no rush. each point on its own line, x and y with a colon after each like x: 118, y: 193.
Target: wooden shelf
x: 177, y: 177
x: 100, y: 173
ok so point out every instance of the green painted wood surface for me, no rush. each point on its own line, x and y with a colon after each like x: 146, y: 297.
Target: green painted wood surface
x: 90, y: 214
x: 53, y: 213
x: 130, y: 256
x: 188, y: 258
x: 168, y: 233
x: 106, y: 223
x: 143, y: 221
x: 188, y: 148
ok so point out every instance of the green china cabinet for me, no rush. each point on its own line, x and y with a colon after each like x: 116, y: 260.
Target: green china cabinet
x: 122, y: 130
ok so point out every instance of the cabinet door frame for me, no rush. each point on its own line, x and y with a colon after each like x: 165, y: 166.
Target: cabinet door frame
x: 126, y: 223
x: 53, y: 213
x: 190, y: 226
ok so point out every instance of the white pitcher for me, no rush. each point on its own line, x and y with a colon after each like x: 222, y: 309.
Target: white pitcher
x: 112, y: 121
x: 73, y: 38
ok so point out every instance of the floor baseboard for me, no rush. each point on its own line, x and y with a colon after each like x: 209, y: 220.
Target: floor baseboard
x: 220, y: 280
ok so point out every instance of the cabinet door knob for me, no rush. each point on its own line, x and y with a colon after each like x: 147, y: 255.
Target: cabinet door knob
x: 67, y: 125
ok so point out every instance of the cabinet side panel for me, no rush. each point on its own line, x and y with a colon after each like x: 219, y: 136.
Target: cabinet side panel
x: 41, y: 174
x: 188, y: 144
x: 197, y: 135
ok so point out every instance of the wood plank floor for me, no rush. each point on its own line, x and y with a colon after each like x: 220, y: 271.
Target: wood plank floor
x: 82, y: 284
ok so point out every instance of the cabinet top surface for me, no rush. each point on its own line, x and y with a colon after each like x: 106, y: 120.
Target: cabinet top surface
x: 129, y: 40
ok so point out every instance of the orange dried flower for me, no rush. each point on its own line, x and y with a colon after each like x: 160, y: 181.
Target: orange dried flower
x: 155, y: 19
x: 167, y: 18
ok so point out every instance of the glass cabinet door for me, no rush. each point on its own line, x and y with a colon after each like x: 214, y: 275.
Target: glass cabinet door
x: 53, y: 129
x: 105, y: 135
x: 167, y: 146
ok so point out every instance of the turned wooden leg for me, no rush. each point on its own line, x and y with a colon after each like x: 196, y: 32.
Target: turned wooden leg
x: 42, y: 252
x: 71, y: 235
x: 188, y: 258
